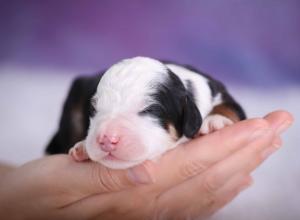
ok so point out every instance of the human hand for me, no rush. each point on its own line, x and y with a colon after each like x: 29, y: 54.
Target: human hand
x: 216, y: 166
x: 200, y: 177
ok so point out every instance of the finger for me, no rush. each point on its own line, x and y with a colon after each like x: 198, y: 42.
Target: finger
x: 100, y: 205
x: 209, y: 183
x: 196, y: 156
x: 243, y: 161
x: 230, y: 191
x: 136, y: 203
x: 219, y: 184
x: 279, y: 120
x: 193, y: 199
x: 90, y: 207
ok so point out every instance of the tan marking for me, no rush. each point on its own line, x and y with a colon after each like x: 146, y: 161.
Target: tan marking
x: 224, y: 110
x: 172, y: 131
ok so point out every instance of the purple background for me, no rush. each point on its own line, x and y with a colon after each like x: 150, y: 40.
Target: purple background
x: 250, y: 42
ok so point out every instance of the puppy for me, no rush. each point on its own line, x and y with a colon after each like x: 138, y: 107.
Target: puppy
x: 138, y: 109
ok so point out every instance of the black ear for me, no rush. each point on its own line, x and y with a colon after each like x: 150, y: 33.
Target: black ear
x: 192, y: 119
x: 53, y: 146
x: 74, y: 121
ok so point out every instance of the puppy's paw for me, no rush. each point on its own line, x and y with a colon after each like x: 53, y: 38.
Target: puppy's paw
x: 214, y: 122
x: 78, y: 152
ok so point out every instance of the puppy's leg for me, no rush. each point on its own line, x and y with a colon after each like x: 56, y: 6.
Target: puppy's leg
x: 78, y: 152
x: 214, y: 122
x: 221, y: 116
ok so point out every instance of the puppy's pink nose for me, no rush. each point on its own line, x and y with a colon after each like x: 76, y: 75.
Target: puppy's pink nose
x: 108, y: 144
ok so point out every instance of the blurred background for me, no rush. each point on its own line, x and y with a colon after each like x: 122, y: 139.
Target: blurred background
x: 252, y: 46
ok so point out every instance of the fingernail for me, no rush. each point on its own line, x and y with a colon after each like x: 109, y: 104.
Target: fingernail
x: 277, y: 143
x: 267, y: 152
x: 259, y: 133
x: 283, y: 127
x: 139, y: 175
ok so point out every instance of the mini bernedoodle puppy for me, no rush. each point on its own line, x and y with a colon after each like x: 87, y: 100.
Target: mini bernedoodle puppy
x: 138, y: 109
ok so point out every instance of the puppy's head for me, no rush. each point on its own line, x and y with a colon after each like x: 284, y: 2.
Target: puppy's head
x: 140, y: 110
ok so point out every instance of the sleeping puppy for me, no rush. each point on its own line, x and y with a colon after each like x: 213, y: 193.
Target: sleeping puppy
x: 138, y: 109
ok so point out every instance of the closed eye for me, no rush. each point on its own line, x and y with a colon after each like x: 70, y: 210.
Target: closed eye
x: 153, y: 110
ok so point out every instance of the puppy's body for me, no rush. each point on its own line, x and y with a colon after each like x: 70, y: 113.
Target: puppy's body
x: 138, y: 109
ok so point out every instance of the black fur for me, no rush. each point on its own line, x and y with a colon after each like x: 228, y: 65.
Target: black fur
x: 175, y: 105
x: 77, y: 109
x: 229, y: 101
x: 217, y: 87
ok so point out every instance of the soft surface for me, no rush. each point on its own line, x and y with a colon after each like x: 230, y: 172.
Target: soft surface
x: 31, y: 105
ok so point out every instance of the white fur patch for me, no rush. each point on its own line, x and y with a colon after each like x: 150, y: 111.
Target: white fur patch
x: 214, y: 122
x: 124, y: 86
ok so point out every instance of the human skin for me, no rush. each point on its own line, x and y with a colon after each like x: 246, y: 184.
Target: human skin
x: 192, y: 181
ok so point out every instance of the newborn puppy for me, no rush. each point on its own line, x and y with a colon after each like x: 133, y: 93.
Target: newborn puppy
x: 138, y: 109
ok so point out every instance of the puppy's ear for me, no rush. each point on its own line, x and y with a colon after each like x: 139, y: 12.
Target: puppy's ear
x: 192, y: 119
x: 74, y: 121
x: 54, y: 145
